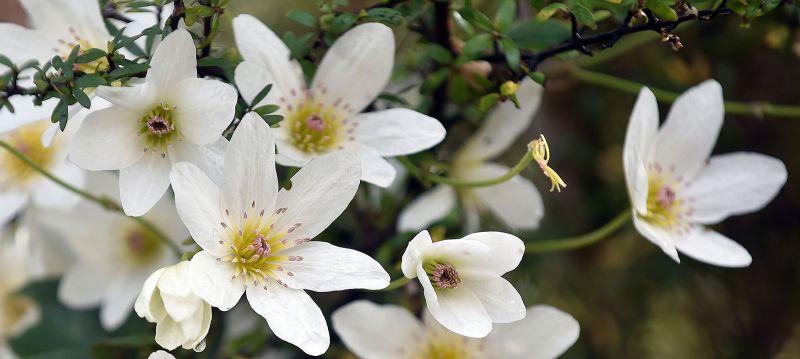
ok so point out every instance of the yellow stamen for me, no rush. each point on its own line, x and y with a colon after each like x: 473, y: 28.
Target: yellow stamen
x: 541, y: 154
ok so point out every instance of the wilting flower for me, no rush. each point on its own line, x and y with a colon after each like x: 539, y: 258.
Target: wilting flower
x: 257, y: 240
x: 21, y: 184
x: 676, y: 189
x: 115, y: 254
x: 181, y: 317
x: 515, y: 202
x: 392, y: 332
x: 18, y: 313
x: 325, y: 118
x: 462, y: 282
x: 172, y: 116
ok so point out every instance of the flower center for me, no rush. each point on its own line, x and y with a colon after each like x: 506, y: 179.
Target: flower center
x: 443, y: 344
x: 442, y: 275
x: 158, y: 127
x: 664, y: 208
x: 70, y: 41
x: 140, y: 246
x: 254, y: 244
x: 27, y: 139
x: 314, y: 128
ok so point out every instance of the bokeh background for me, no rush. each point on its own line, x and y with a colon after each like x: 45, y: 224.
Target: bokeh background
x: 631, y: 300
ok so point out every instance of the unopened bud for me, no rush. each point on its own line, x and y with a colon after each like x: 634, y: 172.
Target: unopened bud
x: 540, y: 151
x: 509, y: 88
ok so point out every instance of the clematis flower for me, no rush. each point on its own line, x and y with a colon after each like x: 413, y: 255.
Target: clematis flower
x: 392, y: 332
x: 18, y: 312
x: 160, y: 355
x: 461, y: 279
x: 325, y: 117
x: 676, y: 189
x: 115, y: 254
x: 182, y: 318
x: 257, y: 240
x: 173, y: 116
x: 19, y: 183
x: 516, y: 202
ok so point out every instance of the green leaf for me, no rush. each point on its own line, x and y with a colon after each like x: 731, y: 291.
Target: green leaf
x: 511, y: 51
x: 261, y: 95
x: 550, y: 10
x: 128, y: 71
x: 266, y: 110
x: 90, y: 55
x: 59, y: 115
x: 474, y: 47
x: 343, y: 22
x: 505, y: 15
x: 272, y: 119
x: 82, y: 98
x: 538, y: 35
x: 662, y: 9
x: 537, y: 77
x: 385, y: 15
x: 6, y: 62
x: 583, y: 14
x: 302, y: 17
x: 202, y: 10
x: 488, y: 101
x: 434, y: 80
x: 439, y: 54
x: 394, y: 98
x: 476, y: 18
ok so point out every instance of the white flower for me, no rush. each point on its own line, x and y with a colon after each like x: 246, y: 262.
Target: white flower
x: 462, y: 282
x: 181, y: 317
x: 392, y: 332
x: 160, y: 355
x: 171, y: 117
x: 676, y: 189
x: 256, y: 240
x: 115, y: 254
x: 515, y: 202
x: 19, y: 183
x: 325, y: 118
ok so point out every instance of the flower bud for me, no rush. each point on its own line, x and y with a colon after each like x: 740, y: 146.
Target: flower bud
x: 509, y: 88
x: 181, y: 317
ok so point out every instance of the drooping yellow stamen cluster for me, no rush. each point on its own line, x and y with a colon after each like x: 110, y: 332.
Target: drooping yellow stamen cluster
x: 540, y: 151
x: 254, y: 244
x: 140, y: 245
x: 159, y: 128
x: 315, y: 128
x: 664, y: 207
x: 27, y: 139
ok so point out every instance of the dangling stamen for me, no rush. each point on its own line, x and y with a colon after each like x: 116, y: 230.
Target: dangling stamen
x: 540, y: 151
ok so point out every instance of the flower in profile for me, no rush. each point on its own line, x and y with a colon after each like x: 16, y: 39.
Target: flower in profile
x: 257, y: 240
x: 181, y: 317
x: 325, y: 117
x: 516, y: 202
x: 462, y: 282
x: 19, y: 183
x: 115, y: 254
x: 676, y: 189
x: 172, y: 116
x: 392, y: 332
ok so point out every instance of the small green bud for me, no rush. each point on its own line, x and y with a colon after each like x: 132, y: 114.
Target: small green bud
x: 509, y: 88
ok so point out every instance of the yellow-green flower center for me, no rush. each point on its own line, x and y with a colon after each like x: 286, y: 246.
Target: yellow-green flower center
x: 26, y: 139
x: 315, y: 128
x: 664, y: 207
x: 158, y: 127
x: 140, y: 246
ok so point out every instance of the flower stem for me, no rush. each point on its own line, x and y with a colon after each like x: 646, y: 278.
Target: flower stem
x: 397, y: 283
x: 455, y: 182
x: 103, y: 201
x: 758, y: 109
x: 582, y: 240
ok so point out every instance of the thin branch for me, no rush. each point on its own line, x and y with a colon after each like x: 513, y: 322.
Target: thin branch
x: 456, y: 182
x: 582, y: 240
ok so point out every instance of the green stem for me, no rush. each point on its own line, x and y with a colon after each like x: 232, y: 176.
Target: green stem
x: 103, y: 201
x: 758, y: 109
x: 397, y: 283
x: 455, y: 182
x: 582, y: 240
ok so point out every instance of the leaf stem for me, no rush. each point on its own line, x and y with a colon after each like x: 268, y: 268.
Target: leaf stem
x: 455, y: 182
x: 103, y: 201
x: 581, y: 240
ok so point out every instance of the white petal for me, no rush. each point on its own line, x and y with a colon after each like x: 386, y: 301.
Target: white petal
x: 173, y: 61
x: 374, y: 168
x: 251, y: 183
x: 292, y: 315
x: 209, y: 158
x: 288, y: 154
x: 161, y: 355
x: 10, y: 204
x: 503, y: 254
x: 660, y: 237
x: 545, y: 333
x: 139, y: 98
x: 461, y: 311
x: 500, y: 299
x: 320, y: 193
x: 516, y: 202
x: 733, y: 184
x: 431, y: 298
x: 107, y: 140
x: 365, y: 326
x: 20, y: 44
x: 214, y: 282
x: 169, y: 334
x: 25, y: 111
x: 326, y: 268
x: 398, y: 131
x: 58, y: 16
x: 204, y: 109
x: 690, y: 131
x: 427, y: 208
x: 119, y: 298
x: 197, y: 201
x: 266, y: 61
x: 143, y: 184
x: 504, y: 124
x: 713, y: 248
x: 413, y: 254
x: 83, y: 286
x: 639, y: 139
x: 148, y: 299
x: 364, y: 55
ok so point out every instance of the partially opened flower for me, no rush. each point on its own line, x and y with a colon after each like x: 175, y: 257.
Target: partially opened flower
x: 257, y: 240
x: 325, y: 117
x: 181, y: 317
x: 515, y: 202
x: 676, y: 189
x: 115, y: 253
x: 462, y: 282
x: 172, y: 116
x: 392, y: 332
